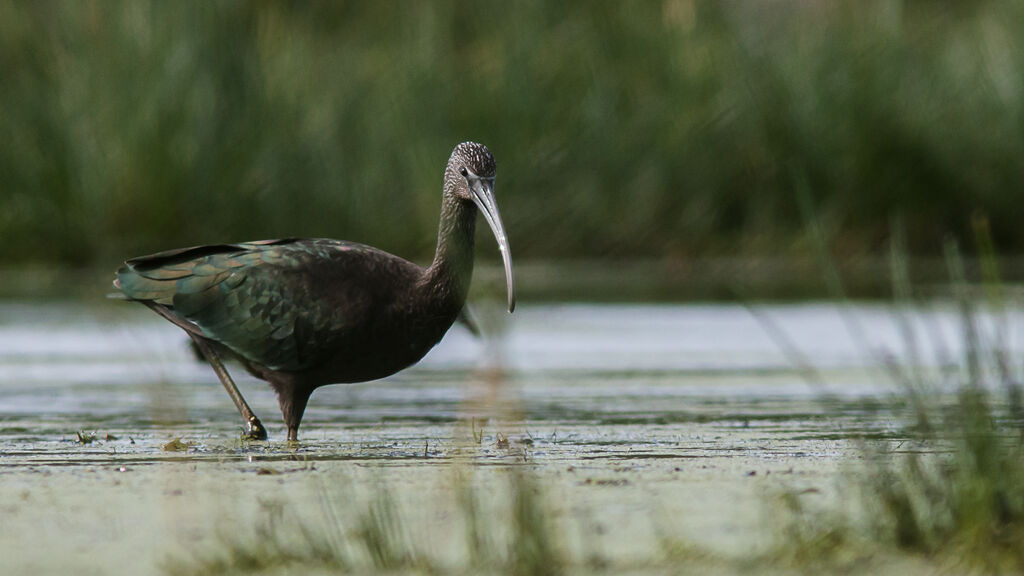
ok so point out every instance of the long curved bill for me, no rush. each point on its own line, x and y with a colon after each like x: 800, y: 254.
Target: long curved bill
x: 483, y: 196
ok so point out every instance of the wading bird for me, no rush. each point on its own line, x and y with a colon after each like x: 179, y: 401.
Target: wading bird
x: 302, y: 313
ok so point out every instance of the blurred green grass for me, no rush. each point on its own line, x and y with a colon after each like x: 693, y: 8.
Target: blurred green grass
x: 661, y: 130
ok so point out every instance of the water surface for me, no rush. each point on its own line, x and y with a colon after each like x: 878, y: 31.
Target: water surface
x: 633, y: 416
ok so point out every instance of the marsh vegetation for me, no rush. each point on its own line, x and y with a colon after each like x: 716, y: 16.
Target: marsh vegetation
x: 668, y: 130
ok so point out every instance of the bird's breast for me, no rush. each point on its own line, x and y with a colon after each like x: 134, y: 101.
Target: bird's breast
x: 388, y: 343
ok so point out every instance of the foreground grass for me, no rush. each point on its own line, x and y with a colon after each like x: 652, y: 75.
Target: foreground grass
x: 515, y: 536
x: 953, y: 492
x: 952, y: 497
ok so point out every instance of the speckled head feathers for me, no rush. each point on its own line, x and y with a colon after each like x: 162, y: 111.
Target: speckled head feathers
x: 474, y: 157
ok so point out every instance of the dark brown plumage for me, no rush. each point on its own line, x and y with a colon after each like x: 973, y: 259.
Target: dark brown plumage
x: 302, y: 313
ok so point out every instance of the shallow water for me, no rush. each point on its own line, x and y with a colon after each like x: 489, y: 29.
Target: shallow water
x: 637, y: 411
x: 121, y: 370
x: 115, y: 365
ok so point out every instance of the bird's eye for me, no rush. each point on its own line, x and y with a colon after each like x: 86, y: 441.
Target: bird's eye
x: 463, y: 171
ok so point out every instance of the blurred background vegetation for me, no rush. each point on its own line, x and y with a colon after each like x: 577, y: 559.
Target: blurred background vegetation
x: 665, y: 131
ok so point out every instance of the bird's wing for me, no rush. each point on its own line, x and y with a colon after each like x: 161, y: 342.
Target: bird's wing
x: 256, y: 298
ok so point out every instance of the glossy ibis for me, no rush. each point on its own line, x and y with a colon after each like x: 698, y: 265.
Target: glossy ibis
x: 302, y: 313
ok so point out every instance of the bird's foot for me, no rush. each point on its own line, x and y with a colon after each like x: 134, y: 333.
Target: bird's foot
x: 254, y: 430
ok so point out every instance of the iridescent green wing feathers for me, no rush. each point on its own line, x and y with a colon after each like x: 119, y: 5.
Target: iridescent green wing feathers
x: 252, y: 297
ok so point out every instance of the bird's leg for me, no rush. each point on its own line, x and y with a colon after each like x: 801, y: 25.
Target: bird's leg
x: 292, y: 397
x: 253, y: 427
x: 293, y: 414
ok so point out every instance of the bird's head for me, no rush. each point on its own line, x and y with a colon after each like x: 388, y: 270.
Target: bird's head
x: 469, y: 177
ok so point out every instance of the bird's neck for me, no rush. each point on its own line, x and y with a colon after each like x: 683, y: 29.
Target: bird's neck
x: 449, y: 276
